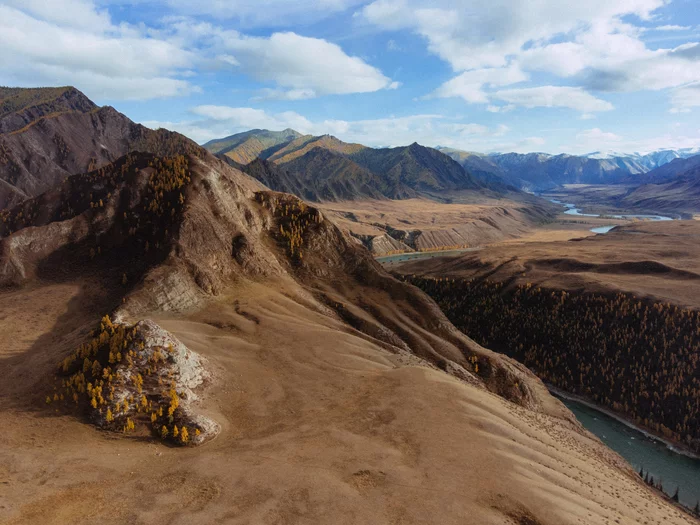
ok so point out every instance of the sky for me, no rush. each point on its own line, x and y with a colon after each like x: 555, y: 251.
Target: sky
x: 557, y: 76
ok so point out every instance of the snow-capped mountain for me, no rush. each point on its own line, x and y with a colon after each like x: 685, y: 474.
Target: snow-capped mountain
x: 541, y: 171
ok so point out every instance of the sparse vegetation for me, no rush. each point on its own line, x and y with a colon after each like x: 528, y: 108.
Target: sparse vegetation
x: 122, y: 385
x: 293, y: 220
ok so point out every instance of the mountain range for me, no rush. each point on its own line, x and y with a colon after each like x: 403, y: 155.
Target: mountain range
x: 406, y: 172
x: 542, y: 171
x: 324, y: 168
x: 673, y: 187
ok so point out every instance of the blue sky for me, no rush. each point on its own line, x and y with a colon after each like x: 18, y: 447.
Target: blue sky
x: 504, y: 75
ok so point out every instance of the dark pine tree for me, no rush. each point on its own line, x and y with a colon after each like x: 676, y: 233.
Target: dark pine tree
x: 641, y: 472
x: 675, y: 495
x: 697, y: 508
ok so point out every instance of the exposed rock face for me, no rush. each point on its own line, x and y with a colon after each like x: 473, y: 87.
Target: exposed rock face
x: 49, y: 134
x: 137, y: 374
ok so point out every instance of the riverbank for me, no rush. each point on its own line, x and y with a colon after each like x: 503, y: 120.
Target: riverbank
x: 642, y: 451
x: 676, y: 447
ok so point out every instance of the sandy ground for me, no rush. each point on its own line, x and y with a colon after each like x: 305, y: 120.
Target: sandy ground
x: 431, y: 217
x: 319, y: 426
x: 666, y: 269
x: 409, y: 214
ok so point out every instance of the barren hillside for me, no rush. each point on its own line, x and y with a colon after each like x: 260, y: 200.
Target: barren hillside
x: 339, y: 395
x: 47, y: 134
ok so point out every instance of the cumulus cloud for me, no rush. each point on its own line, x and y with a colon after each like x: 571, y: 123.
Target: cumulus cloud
x: 107, y: 61
x: 615, y: 59
x: 471, y: 34
x: 305, y: 65
x: 74, y: 42
x: 593, y: 45
x: 81, y: 14
x: 470, y: 84
x: 554, y: 97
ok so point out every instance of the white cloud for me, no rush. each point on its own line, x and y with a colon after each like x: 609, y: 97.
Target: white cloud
x: 73, y: 42
x: 427, y: 129
x: 471, y: 34
x: 685, y: 98
x: 391, y: 45
x: 598, y: 140
x: 605, y: 60
x: 267, y: 13
x: 105, y: 60
x: 79, y: 14
x: 554, y: 96
x: 500, y: 109
x: 281, y: 94
x: 302, y: 63
x: 598, y: 135
x: 670, y: 28
x: 594, y: 45
x: 470, y: 84
x: 249, y: 118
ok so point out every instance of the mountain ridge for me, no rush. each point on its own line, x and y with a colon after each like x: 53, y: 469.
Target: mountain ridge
x: 52, y: 133
x: 322, y: 168
x: 539, y: 171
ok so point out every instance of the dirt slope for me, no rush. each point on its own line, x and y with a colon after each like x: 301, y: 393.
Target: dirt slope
x: 424, y: 224
x: 328, y: 376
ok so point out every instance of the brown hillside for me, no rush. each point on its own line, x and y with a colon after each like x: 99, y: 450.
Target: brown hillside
x: 666, y: 270
x: 301, y: 146
x: 341, y: 395
x: 49, y: 134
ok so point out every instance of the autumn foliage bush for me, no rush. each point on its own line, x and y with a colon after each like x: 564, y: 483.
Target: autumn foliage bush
x: 121, y: 385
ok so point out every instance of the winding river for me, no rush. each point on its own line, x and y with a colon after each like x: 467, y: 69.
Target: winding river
x: 571, y: 209
x: 642, y: 451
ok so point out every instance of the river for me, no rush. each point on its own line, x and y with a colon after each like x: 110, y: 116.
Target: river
x: 401, y: 257
x: 571, y: 209
x: 642, y: 451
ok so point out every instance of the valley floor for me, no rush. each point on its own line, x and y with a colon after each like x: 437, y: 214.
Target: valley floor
x: 424, y: 224
x: 319, y: 425
x: 655, y: 260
